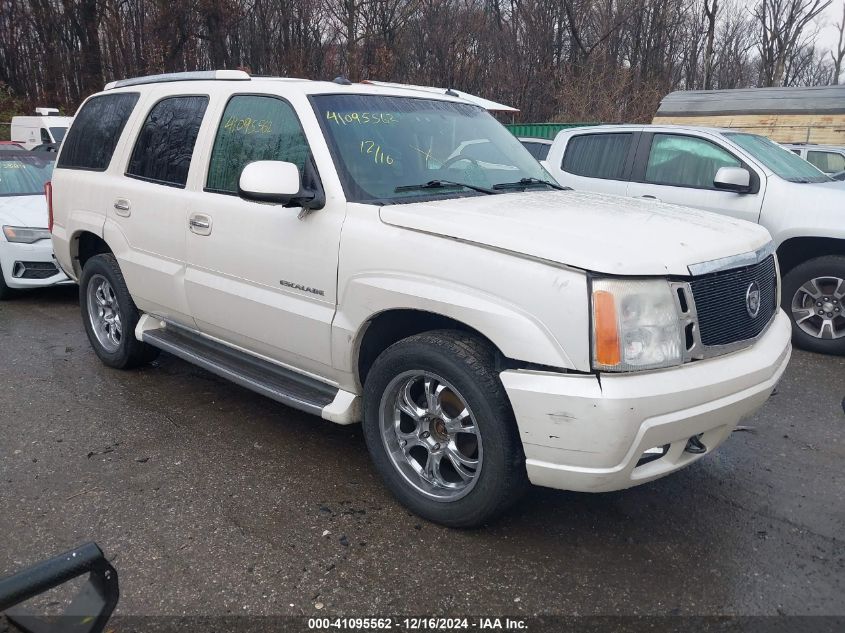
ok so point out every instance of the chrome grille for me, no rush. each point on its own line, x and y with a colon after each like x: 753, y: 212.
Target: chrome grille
x: 722, y: 308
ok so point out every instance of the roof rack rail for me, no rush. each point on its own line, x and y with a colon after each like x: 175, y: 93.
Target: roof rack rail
x: 197, y: 75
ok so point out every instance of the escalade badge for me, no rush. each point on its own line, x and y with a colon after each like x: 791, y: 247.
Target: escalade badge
x: 752, y: 299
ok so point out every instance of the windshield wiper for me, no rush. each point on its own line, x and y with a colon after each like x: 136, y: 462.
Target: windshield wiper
x: 525, y: 182
x: 442, y: 184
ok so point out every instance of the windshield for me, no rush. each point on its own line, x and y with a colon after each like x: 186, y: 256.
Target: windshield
x: 58, y: 133
x: 395, y: 149
x: 780, y: 160
x: 24, y: 174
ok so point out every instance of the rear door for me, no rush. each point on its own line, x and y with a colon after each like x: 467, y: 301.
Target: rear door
x: 679, y: 168
x: 595, y: 161
x: 147, y: 206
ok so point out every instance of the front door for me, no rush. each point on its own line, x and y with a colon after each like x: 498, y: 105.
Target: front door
x: 680, y: 169
x: 261, y: 276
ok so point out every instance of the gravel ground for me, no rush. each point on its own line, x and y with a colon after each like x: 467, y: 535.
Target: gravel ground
x: 211, y: 500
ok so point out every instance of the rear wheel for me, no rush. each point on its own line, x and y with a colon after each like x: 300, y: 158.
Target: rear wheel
x: 813, y: 296
x: 440, y: 429
x: 110, y: 315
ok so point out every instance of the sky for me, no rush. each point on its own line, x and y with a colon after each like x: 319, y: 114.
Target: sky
x: 828, y: 35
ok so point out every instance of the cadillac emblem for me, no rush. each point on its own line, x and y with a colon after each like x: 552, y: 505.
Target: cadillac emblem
x: 752, y: 299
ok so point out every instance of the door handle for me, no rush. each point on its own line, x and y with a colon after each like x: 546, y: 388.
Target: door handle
x: 200, y: 224
x: 650, y: 197
x: 123, y: 207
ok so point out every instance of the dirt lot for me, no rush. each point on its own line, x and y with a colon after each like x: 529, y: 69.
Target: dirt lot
x: 211, y: 500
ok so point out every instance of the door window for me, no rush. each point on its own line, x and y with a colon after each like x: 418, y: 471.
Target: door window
x: 686, y: 161
x: 597, y: 155
x: 95, y: 131
x: 254, y: 128
x: 828, y: 162
x: 165, y: 145
x: 45, y: 136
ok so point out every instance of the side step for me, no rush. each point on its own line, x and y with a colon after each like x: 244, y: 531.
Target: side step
x: 278, y: 383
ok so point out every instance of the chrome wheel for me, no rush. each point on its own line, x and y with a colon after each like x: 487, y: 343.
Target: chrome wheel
x: 817, y: 307
x: 430, y: 435
x: 104, y: 313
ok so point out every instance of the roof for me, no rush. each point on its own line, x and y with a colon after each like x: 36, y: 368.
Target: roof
x: 792, y: 100
x: 308, y: 86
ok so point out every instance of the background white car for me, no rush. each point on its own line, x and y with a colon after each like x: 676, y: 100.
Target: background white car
x: 26, y: 253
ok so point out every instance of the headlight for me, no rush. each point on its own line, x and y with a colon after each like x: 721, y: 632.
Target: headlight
x: 635, y: 325
x: 25, y: 235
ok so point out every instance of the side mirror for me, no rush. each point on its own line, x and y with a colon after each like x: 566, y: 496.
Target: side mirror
x: 736, y: 179
x: 272, y: 181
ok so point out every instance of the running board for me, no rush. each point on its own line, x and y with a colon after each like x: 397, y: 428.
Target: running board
x: 260, y: 376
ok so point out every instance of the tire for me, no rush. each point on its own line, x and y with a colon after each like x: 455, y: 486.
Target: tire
x: 458, y: 369
x: 824, y: 277
x: 103, y: 293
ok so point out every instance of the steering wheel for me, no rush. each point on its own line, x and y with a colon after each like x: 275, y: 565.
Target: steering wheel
x: 450, y: 161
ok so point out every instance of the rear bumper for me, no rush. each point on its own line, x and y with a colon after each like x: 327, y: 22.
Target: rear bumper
x: 582, y: 433
x: 22, y: 265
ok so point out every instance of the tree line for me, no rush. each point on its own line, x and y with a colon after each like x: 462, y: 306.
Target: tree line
x: 576, y: 60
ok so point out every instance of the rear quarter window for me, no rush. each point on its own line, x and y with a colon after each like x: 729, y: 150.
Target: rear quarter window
x: 95, y: 131
x: 597, y: 155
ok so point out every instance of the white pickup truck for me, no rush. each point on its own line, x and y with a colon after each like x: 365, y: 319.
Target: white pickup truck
x: 738, y: 174
x: 394, y: 257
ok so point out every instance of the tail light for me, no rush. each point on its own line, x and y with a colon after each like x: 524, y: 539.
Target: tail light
x: 48, y: 193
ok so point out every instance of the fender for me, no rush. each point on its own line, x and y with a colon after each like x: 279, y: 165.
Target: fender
x: 516, y: 332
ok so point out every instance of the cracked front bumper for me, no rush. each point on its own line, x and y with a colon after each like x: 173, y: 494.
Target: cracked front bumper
x: 582, y: 434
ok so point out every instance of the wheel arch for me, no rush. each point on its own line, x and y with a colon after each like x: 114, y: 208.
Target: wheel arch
x: 83, y: 246
x: 390, y: 326
x: 797, y: 250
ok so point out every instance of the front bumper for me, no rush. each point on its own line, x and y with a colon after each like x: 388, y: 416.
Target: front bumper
x: 584, y: 433
x: 14, y: 260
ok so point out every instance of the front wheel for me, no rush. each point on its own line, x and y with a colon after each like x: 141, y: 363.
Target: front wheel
x: 110, y: 315
x: 813, y: 296
x: 440, y: 429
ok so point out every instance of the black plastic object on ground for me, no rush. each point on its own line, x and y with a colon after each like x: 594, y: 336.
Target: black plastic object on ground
x: 88, y: 612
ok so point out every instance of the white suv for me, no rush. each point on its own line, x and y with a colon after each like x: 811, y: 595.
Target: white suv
x: 738, y: 174
x: 324, y: 245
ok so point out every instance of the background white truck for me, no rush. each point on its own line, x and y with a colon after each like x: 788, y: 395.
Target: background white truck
x: 45, y: 126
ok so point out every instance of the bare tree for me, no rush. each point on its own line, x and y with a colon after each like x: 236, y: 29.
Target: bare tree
x: 782, y: 24
x: 839, y: 54
x: 711, y: 11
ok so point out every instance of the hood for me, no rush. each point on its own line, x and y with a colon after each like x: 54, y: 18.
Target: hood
x: 24, y: 211
x: 602, y: 233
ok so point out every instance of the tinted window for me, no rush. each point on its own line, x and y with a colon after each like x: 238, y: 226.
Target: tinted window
x: 93, y: 136
x: 45, y: 136
x: 686, y: 161
x: 538, y: 150
x: 254, y: 128
x: 828, y: 162
x: 597, y: 155
x: 165, y: 143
